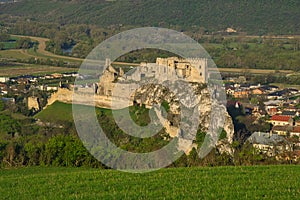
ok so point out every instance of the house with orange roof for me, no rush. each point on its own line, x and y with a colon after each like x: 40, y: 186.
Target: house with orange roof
x: 280, y: 120
x: 258, y: 91
x: 241, y: 94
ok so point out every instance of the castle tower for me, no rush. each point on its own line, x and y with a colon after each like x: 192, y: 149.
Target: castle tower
x: 107, y: 62
x: 199, y: 69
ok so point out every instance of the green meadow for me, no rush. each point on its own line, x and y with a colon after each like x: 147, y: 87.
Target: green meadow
x: 256, y: 182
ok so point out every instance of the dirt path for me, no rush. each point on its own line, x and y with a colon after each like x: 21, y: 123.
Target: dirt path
x: 42, y: 49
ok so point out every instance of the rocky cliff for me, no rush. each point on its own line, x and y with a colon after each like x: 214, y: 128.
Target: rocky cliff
x: 210, y: 119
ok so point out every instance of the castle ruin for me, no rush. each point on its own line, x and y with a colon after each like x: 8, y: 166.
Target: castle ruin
x: 191, y: 70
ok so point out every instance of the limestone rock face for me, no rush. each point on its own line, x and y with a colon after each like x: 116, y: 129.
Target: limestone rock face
x: 209, y: 118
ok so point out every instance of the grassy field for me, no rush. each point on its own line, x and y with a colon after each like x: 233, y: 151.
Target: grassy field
x: 57, y: 111
x: 14, y: 54
x: 258, y: 182
x: 11, y: 71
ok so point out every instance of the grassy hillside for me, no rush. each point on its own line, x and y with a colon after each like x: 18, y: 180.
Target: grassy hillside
x: 264, y: 182
x: 254, y: 17
x: 56, y: 112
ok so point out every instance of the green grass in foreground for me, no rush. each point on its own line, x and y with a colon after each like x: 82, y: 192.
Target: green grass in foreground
x: 258, y: 182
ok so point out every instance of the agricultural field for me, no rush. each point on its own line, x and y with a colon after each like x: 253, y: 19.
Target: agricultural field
x: 11, y: 71
x: 256, y: 182
x: 14, y: 54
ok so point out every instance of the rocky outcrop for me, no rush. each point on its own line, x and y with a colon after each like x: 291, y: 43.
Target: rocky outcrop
x: 212, y: 115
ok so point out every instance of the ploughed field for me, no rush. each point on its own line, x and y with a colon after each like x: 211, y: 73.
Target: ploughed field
x: 255, y: 182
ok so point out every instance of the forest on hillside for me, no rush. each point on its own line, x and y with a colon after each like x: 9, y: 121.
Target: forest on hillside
x: 250, y: 16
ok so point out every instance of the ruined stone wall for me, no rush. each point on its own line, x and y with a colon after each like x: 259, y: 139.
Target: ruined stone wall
x: 86, y: 96
x: 33, y: 103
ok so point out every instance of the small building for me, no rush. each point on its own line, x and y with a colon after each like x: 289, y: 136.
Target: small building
x: 295, y: 131
x: 293, y: 91
x: 272, y: 111
x: 281, y: 130
x: 230, y: 90
x: 254, y: 86
x: 270, y: 144
x: 51, y: 88
x: 271, y: 108
x: 293, y: 156
x: 241, y: 94
x: 280, y: 120
x: 290, y: 113
x: 57, y: 75
x: 8, y: 100
x: 258, y: 91
x: 278, y: 94
x: 269, y: 88
x: 4, y: 79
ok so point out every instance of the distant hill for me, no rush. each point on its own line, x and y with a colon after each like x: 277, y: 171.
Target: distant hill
x: 251, y: 16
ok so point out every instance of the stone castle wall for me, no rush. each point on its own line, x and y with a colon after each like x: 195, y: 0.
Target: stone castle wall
x: 33, y: 103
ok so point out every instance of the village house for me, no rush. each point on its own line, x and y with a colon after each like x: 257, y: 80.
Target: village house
x: 293, y: 156
x: 8, y: 100
x: 3, y: 89
x: 280, y: 120
x: 255, y: 86
x: 57, y: 75
x: 295, y: 131
x: 241, y: 94
x: 293, y: 91
x: 258, y: 91
x: 278, y: 94
x: 281, y: 130
x: 230, y: 90
x: 290, y: 113
x: 4, y: 79
x: 270, y: 144
x: 269, y: 88
x: 272, y: 111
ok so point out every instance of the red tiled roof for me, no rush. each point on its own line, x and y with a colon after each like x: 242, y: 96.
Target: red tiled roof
x: 296, y: 129
x: 273, y: 110
x: 280, y: 118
